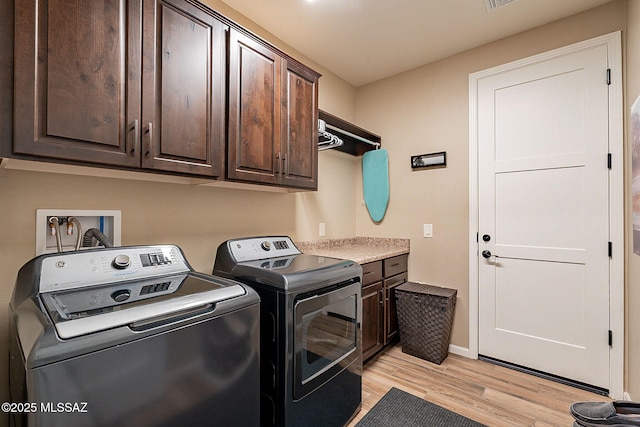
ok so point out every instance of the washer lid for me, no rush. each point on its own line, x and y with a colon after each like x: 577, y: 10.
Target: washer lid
x: 138, y: 304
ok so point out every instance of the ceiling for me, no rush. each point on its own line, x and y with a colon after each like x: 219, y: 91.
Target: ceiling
x: 362, y: 41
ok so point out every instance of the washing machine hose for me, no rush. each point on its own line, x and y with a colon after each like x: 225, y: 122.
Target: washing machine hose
x: 90, y: 234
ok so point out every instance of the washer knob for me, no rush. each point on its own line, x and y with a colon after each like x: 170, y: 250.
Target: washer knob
x: 121, y: 262
x: 121, y: 295
x: 266, y: 245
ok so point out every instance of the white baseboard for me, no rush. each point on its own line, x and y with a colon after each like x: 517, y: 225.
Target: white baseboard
x: 627, y: 396
x: 460, y: 351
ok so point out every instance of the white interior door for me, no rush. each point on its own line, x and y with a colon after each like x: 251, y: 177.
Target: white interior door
x: 543, y: 204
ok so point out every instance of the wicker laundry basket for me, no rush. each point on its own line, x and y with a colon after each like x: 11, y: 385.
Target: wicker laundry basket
x: 425, y: 317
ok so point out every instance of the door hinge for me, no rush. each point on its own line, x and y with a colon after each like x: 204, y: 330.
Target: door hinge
x: 608, y: 76
x: 610, y: 249
x: 610, y: 338
x: 609, y: 160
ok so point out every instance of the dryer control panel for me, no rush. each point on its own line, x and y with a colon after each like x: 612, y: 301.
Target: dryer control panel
x: 255, y: 248
x: 71, y: 270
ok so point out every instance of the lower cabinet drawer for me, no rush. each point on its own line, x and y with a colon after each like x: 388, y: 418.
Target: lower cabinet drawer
x: 395, y: 265
x: 371, y: 272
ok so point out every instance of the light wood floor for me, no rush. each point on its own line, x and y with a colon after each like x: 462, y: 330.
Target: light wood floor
x: 484, y: 392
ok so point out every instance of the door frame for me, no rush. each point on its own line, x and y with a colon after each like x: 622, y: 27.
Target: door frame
x: 616, y: 197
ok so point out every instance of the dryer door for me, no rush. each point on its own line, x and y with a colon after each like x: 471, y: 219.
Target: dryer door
x: 326, y: 336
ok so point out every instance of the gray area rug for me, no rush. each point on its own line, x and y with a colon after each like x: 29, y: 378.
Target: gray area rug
x: 401, y: 409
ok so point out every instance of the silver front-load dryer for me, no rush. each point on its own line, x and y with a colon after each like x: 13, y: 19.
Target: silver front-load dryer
x: 131, y: 336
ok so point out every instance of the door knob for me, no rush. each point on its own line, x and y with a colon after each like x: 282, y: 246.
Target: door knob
x: 487, y: 254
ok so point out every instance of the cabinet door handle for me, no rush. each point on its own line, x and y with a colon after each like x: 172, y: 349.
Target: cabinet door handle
x: 285, y: 165
x: 150, y: 132
x: 136, y: 137
x: 277, y: 163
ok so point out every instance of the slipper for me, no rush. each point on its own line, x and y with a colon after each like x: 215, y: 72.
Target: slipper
x: 617, y: 414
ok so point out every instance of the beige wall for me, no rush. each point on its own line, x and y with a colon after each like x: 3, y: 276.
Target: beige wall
x: 426, y: 110
x: 194, y: 217
x: 632, y: 61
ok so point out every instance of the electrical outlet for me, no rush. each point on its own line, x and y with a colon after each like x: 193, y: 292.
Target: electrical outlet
x: 321, y: 229
x: 106, y: 222
x: 427, y: 230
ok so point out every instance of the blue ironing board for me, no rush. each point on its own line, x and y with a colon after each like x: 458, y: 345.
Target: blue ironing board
x: 375, y: 181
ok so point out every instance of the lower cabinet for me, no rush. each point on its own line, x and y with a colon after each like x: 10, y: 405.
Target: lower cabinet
x: 379, y: 315
x: 390, y: 312
x: 372, y: 319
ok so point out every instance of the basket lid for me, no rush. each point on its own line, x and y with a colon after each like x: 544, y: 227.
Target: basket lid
x: 423, y: 288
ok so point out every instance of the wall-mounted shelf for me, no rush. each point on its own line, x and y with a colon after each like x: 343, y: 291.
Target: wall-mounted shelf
x: 357, y: 141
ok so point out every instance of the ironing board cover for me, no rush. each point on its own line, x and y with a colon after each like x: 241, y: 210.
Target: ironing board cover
x: 375, y: 181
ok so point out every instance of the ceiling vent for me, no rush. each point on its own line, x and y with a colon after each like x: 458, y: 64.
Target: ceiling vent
x: 496, y: 4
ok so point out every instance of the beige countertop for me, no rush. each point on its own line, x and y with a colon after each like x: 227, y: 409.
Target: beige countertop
x: 358, y: 249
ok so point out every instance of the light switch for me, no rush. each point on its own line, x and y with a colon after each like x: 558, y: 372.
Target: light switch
x: 427, y: 230
x: 321, y: 229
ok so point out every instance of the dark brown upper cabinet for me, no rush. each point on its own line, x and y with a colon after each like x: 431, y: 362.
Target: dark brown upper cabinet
x: 136, y: 83
x: 299, y: 143
x: 273, y: 114
x: 77, y: 80
x: 254, y: 111
x: 183, y: 81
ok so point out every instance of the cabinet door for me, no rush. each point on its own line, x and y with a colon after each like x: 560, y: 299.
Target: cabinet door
x: 391, y: 313
x: 300, y: 131
x: 183, y: 81
x: 372, y: 321
x: 253, y: 151
x: 77, y: 80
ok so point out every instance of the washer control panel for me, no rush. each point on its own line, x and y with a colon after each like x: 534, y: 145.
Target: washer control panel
x: 70, y: 270
x: 255, y: 248
x: 84, y: 302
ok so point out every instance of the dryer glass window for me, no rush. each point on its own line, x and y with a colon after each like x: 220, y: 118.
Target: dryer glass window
x: 326, y: 336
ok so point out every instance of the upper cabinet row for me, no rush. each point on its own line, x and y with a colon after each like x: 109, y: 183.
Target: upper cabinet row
x: 160, y: 85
